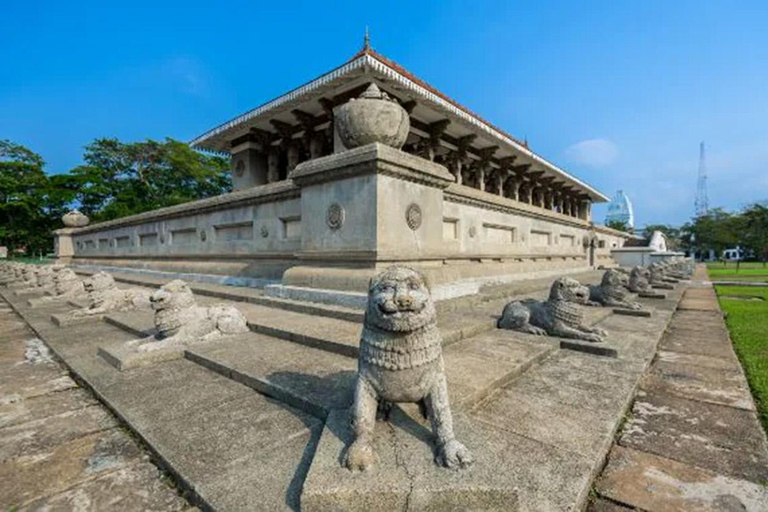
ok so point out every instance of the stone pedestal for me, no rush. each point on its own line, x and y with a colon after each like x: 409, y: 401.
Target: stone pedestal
x: 361, y: 210
x: 63, y: 246
x: 406, y: 477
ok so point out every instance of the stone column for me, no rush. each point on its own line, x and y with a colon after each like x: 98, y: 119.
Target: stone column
x: 249, y: 167
x: 273, y: 163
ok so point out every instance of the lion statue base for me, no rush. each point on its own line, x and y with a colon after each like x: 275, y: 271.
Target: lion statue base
x: 401, y: 361
x: 612, y: 291
x: 560, y: 315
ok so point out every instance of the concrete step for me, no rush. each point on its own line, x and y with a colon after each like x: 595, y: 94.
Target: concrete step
x: 242, y: 294
x: 317, y: 382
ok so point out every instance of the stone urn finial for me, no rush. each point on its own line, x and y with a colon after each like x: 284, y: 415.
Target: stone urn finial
x: 373, y: 117
x: 75, y: 219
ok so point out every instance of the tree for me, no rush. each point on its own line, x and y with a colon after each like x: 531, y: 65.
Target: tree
x: 119, y: 179
x: 29, y: 207
x: 755, y: 226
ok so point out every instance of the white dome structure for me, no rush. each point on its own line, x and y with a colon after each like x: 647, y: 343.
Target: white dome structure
x: 620, y: 210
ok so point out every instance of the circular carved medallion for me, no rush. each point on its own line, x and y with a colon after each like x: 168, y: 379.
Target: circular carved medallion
x: 335, y: 216
x: 413, y: 216
x: 203, y: 235
x: 264, y: 232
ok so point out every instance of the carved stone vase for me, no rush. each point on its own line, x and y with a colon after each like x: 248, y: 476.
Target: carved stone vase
x: 373, y: 117
x: 75, y: 219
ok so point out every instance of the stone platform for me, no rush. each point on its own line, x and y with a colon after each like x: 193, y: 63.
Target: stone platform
x: 240, y: 424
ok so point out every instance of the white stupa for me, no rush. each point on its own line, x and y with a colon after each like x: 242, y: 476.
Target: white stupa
x: 620, y: 210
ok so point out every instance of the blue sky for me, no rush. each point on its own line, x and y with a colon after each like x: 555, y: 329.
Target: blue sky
x: 618, y: 93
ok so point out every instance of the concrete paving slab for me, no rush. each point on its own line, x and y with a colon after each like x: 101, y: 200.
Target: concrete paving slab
x: 51, y: 404
x: 216, y: 449
x: 597, y: 391
x: 710, y: 344
x: 27, y: 381
x: 136, y: 487
x: 575, y: 429
x: 309, y: 379
x: 157, y: 394
x: 722, y: 439
x: 65, y: 319
x: 715, y: 385
x: 405, y: 476
x: 139, y: 323
x: 39, y: 436
x: 271, y: 479
x: 477, y: 366
x: 650, y: 482
x: 28, y: 478
x: 730, y: 363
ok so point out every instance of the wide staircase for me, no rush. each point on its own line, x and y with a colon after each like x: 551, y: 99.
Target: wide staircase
x: 239, y: 423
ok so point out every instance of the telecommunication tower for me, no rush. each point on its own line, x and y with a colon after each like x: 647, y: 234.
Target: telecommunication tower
x: 702, y: 202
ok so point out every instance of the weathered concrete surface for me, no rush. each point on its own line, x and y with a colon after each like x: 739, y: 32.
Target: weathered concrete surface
x: 650, y: 482
x: 189, y: 415
x: 721, y: 439
x: 60, y: 449
x: 405, y: 477
x: 693, y: 440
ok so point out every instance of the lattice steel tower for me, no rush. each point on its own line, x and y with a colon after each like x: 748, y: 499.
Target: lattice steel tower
x: 702, y: 202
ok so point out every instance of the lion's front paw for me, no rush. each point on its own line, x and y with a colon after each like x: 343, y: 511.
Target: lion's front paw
x: 360, y: 456
x: 538, y: 331
x: 593, y: 304
x: 600, y: 332
x: 454, y: 455
x: 593, y: 337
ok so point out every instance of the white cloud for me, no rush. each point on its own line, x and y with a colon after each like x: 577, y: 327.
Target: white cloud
x: 593, y: 152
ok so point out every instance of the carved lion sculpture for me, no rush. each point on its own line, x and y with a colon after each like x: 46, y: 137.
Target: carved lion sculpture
x: 612, y: 291
x: 105, y: 297
x: 658, y: 274
x: 67, y: 284
x: 639, y: 280
x: 45, y: 275
x: 180, y: 321
x: 560, y: 315
x: 401, y: 361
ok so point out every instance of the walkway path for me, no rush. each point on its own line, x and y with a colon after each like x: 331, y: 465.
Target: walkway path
x: 59, y: 448
x: 693, y: 440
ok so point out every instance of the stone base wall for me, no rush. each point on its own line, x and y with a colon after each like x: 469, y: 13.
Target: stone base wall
x: 342, y: 218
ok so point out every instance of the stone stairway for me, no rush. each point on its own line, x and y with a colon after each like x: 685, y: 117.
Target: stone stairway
x: 238, y: 422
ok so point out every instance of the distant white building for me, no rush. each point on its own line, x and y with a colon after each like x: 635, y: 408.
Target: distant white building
x: 620, y: 210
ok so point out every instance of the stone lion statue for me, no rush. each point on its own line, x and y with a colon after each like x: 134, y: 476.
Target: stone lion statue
x: 45, y: 275
x: 560, y: 315
x: 66, y: 285
x: 658, y: 274
x: 11, y: 272
x: 612, y: 291
x: 180, y: 321
x: 105, y: 297
x: 639, y: 280
x: 401, y: 361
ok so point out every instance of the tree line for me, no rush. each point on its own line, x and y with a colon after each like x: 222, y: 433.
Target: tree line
x: 116, y: 179
x: 719, y: 230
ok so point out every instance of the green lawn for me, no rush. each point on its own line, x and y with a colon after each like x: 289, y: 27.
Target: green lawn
x: 748, y: 324
x: 731, y: 266
x: 751, y: 271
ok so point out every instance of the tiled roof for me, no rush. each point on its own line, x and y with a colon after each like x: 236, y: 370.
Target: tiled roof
x: 400, y: 69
